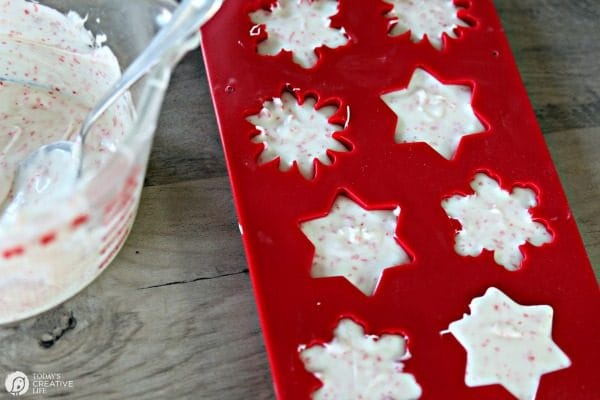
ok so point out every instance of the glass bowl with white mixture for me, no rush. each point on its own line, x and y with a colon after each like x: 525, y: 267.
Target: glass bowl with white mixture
x: 57, y: 59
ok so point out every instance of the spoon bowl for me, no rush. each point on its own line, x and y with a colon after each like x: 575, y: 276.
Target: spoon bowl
x: 48, y: 173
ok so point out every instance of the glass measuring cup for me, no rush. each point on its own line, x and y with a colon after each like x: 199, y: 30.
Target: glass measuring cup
x: 53, y: 251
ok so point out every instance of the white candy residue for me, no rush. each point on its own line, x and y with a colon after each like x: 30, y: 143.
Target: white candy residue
x: 431, y: 18
x: 52, y: 72
x: 357, y: 366
x: 495, y: 220
x: 355, y: 243
x: 429, y: 111
x: 299, y: 26
x: 508, y: 344
x: 296, y: 133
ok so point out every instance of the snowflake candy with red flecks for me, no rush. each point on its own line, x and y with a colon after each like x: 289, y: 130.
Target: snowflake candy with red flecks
x: 359, y: 366
x: 425, y: 18
x: 299, y: 26
x: 296, y: 134
x: 496, y: 220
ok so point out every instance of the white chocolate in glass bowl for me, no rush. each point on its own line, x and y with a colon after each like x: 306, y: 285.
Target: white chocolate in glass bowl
x: 52, y: 72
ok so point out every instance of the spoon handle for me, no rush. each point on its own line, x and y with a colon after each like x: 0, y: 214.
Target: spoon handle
x: 187, y: 19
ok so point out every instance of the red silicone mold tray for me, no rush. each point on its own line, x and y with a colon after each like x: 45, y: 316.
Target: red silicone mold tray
x: 387, y: 185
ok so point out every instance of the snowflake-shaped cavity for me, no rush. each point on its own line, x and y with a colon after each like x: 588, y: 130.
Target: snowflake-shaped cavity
x: 358, y: 366
x: 296, y: 134
x: 299, y: 26
x: 355, y: 243
x: 425, y: 18
x: 429, y: 111
x: 508, y: 344
x: 495, y: 220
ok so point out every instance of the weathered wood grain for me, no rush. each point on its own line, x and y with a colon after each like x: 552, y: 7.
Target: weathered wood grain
x: 173, y: 316
x: 557, y: 48
x: 187, y: 145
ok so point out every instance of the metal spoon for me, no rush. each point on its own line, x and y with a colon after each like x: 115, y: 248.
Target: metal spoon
x: 185, y: 22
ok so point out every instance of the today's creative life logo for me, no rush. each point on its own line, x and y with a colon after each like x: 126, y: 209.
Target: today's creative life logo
x: 36, y: 383
x: 16, y: 383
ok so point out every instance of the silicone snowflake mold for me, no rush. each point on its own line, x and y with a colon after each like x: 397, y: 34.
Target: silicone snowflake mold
x: 358, y: 366
x: 296, y: 133
x: 355, y: 243
x: 495, y: 220
x: 299, y: 26
x: 508, y: 343
x: 425, y: 18
x: 429, y: 111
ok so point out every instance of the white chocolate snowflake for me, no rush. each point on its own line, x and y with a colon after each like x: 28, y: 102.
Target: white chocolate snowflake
x: 508, y: 344
x: 431, y: 18
x: 296, y: 134
x: 355, y: 243
x: 495, y: 220
x: 357, y: 366
x: 299, y: 26
x: 429, y: 111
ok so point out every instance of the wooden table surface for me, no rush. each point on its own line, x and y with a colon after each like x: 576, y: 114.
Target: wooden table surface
x: 174, y: 316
